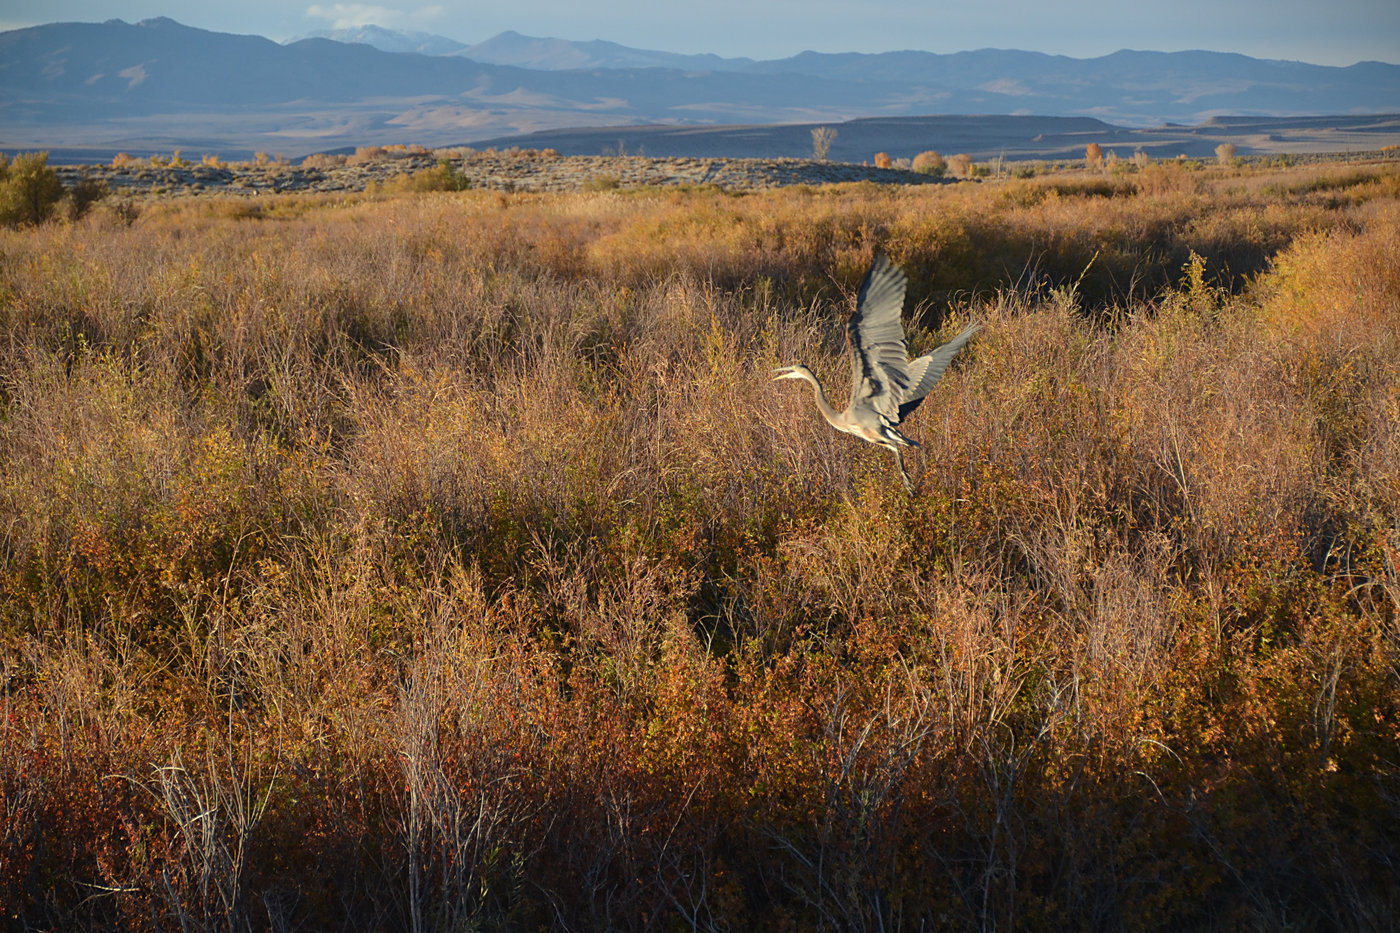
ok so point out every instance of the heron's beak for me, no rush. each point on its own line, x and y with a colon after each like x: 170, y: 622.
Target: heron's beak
x: 786, y: 372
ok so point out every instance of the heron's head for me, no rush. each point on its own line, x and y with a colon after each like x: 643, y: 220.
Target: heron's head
x: 792, y: 372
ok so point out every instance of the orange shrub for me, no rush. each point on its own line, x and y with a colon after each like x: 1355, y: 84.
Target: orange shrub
x: 961, y: 165
x: 930, y: 162
x: 323, y: 160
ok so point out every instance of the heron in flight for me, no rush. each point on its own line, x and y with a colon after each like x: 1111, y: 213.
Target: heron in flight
x: 885, y: 384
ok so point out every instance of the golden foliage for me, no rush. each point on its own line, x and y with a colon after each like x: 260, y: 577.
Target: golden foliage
x: 961, y: 165
x: 453, y: 561
x: 930, y: 162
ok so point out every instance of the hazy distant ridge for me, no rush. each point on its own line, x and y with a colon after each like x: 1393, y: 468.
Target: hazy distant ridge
x: 511, y: 48
x: 390, y: 40
x: 101, y: 83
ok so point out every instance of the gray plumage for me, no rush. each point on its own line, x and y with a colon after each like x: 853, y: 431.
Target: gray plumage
x: 885, y: 384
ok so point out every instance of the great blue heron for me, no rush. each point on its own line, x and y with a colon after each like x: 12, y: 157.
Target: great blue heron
x: 885, y: 384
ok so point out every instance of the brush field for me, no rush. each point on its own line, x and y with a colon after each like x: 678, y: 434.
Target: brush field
x: 450, y: 561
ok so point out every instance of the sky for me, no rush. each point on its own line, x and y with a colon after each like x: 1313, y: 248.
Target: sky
x: 1339, y: 32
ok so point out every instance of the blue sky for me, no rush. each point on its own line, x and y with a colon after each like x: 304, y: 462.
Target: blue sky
x: 1340, y: 32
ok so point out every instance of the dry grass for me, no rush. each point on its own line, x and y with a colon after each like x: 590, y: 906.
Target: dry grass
x: 449, y: 560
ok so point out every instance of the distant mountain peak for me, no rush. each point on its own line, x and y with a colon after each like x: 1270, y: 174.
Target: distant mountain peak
x: 389, y: 40
x: 548, y: 53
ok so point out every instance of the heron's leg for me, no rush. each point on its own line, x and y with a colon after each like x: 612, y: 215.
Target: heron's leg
x: 903, y: 474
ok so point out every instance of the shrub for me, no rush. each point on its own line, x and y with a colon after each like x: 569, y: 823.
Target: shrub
x: 602, y: 183
x: 442, y: 177
x: 391, y: 153
x: 930, y: 162
x: 29, y: 189
x: 445, y: 176
x: 323, y: 160
x: 822, y: 138
x: 961, y: 165
x: 125, y: 211
x: 1093, y: 156
x: 882, y: 160
x: 1225, y: 153
x: 85, y: 193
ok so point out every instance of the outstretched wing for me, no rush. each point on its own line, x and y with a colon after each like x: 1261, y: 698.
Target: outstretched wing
x: 879, y: 356
x: 925, y: 372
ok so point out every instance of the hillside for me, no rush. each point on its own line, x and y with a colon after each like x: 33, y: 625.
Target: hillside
x: 160, y: 85
x: 504, y: 171
x: 984, y: 137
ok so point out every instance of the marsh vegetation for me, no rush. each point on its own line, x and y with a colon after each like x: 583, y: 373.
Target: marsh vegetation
x: 449, y: 561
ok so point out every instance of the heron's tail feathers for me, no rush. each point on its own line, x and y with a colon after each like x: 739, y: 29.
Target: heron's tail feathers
x: 893, y: 439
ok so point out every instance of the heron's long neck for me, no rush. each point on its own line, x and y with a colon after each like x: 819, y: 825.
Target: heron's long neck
x: 823, y: 405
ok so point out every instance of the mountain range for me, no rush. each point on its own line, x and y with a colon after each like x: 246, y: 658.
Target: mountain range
x: 158, y: 84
